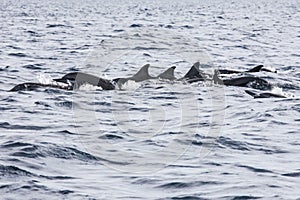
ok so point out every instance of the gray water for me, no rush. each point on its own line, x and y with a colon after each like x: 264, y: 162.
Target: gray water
x: 156, y: 139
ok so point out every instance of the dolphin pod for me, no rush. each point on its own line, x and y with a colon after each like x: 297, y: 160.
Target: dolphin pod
x: 74, y: 80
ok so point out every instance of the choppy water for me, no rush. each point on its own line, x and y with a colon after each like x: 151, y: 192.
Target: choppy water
x: 158, y: 139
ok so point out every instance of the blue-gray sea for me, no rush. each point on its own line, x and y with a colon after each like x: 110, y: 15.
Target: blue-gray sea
x: 156, y: 139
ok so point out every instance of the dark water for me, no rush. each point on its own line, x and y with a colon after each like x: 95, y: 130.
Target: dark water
x: 158, y: 139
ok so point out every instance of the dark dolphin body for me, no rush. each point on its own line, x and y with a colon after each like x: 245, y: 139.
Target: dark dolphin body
x: 68, y: 82
x: 33, y: 86
x: 256, y: 94
x: 248, y: 81
x: 257, y: 68
x: 244, y: 81
x: 78, y: 78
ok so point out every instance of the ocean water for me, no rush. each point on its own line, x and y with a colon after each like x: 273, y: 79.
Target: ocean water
x: 156, y: 139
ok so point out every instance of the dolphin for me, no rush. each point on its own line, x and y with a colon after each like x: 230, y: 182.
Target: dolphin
x: 264, y: 94
x: 141, y: 75
x: 257, y: 68
x: 68, y: 82
x: 78, y: 78
x: 244, y: 81
x: 193, y: 75
x: 33, y: 86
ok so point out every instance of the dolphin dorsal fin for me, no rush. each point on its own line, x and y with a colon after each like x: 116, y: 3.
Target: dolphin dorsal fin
x: 142, y: 74
x: 193, y: 72
x: 168, y: 74
x: 256, y: 69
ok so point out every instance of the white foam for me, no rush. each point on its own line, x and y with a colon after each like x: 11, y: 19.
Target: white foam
x: 45, y: 79
x: 130, y: 85
x: 277, y: 90
x: 89, y: 87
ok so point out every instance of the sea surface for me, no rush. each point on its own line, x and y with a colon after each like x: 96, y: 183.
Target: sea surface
x: 156, y: 139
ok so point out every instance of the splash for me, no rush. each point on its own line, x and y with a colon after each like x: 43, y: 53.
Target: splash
x: 89, y: 87
x: 129, y: 85
x: 279, y: 91
x: 45, y: 79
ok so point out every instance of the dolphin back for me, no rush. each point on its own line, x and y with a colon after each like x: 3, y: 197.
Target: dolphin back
x: 69, y: 82
x: 79, y: 78
x: 33, y: 86
x: 25, y: 86
x: 264, y: 94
